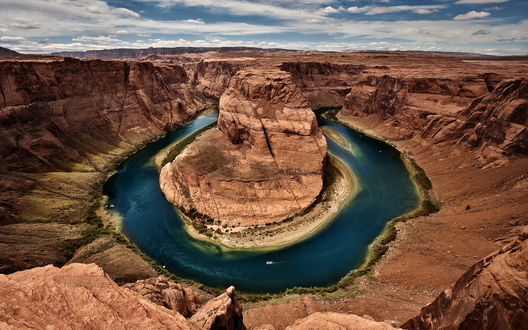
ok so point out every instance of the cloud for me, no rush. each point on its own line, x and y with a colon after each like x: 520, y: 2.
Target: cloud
x: 481, y: 33
x: 12, y: 40
x: 195, y: 21
x: 330, y: 10
x: 276, y: 9
x: 356, y: 10
x: 478, y: 2
x: 512, y: 39
x: 378, y: 10
x: 99, y: 40
x: 69, y: 25
x: 125, y: 12
x: 471, y: 15
x: 494, y: 8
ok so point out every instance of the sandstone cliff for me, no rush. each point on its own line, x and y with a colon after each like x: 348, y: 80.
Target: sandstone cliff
x: 50, y: 112
x: 264, y: 161
x: 493, y: 294
x: 213, y: 77
x: 63, y: 125
x: 324, y: 84
x: 449, y: 112
x: 80, y: 296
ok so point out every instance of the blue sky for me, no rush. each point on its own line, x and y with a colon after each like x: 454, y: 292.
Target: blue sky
x: 484, y: 26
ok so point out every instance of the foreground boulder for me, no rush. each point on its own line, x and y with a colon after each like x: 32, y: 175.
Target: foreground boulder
x: 167, y: 294
x: 80, y: 296
x: 262, y: 164
x: 222, y: 312
x: 338, y: 321
x: 493, y: 294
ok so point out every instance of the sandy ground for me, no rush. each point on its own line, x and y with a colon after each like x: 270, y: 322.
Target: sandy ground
x: 300, y: 227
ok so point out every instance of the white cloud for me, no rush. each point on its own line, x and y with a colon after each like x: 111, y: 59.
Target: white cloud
x: 194, y: 21
x: 377, y: 10
x: 356, y: 10
x: 275, y: 9
x: 101, y: 27
x: 125, y: 12
x: 329, y: 10
x: 471, y: 15
x: 99, y: 40
x: 14, y: 40
x: 493, y: 8
x: 422, y: 9
x: 478, y: 2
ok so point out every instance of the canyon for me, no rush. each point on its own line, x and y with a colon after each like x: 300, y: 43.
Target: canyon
x: 67, y: 123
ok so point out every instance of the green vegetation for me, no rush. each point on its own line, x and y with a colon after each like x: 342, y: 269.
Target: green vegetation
x: 419, y: 176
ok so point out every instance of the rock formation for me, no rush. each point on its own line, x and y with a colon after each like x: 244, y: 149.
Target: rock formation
x: 6, y: 52
x: 493, y: 122
x: 338, y: 321
x: 168, y: 294
x: 213, y: 77
x: 500, y: 119
x: 222, y: 312
x: 115, y: 259
x: 63, y: 125
x: 493, y: 294
x: 323, y: 84
x: 264, y: 161
x: 83, y: 296
x: 54, y: 113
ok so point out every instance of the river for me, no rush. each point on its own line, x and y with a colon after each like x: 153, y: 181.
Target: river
x: 385, y: 191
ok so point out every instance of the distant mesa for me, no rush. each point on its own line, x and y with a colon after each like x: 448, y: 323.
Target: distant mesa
x: 142, y: 52
x: 6, y: 52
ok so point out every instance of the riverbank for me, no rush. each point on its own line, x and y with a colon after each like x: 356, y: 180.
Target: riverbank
x: 340, y: 187
x: 423, y: 256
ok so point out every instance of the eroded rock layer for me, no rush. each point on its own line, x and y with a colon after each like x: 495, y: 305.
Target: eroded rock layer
x: 479, y: 113
x: 80, y: 296
x: 64, y: 124
x: 493, y: 294
x: 263, y: 163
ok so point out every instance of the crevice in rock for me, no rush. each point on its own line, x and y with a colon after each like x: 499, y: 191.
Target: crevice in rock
x: 267, y: 139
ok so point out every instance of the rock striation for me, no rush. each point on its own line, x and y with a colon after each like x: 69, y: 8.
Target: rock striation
x: 324, y: 84
x: 83, y: 296
x: 493, y: 294
x: 264, y: 161
x: 493, y: 123
x: 54, y: 113
x: 63, y: 125
x: 165, y: 293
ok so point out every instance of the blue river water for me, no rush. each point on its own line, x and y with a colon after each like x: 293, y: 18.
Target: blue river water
x: 152, y: 223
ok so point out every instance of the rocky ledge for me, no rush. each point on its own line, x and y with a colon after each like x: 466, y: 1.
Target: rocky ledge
x: 263, y: 163
x: 80, y: 296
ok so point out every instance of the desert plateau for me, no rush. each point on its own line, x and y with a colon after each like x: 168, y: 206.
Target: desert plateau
x: 164, y: 183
